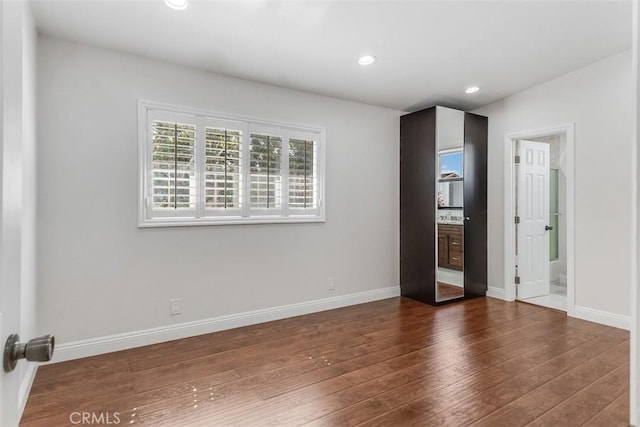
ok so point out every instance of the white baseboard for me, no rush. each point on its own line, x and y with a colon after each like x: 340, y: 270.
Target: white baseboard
x: 451, y: 277
x: 117, y: 342
x: 602, y: 317
x: 25, y: 387
x: 497, y: 293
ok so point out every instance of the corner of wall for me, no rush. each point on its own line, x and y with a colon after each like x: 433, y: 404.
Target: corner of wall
x: 497, y: 293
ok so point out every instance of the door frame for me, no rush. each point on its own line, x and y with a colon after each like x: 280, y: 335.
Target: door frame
x: 509, y: 208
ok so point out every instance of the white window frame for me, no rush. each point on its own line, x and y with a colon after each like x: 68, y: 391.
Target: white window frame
x: 147, y: 217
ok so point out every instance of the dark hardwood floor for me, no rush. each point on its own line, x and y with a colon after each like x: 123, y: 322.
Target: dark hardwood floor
x: 481, y: 362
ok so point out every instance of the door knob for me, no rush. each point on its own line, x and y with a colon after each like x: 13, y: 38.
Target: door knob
x: 39, y: 349
x: 466, y: 218
x: 548, y: 228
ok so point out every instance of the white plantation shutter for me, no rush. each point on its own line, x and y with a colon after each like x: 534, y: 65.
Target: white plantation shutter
x: 173, y: 185
x: 197, y: 168
x: 223, y: 169
x: 265, y: 175
x: 303, y: 185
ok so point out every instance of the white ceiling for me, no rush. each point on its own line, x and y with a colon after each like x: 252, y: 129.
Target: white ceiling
x: 428, y: 51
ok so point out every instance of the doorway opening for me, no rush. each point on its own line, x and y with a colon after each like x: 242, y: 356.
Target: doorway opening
x: 539, y: 217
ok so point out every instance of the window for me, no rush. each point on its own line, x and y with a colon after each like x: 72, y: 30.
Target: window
x: 266, y: 172
x: 450, y: 187
x: 173, y: 159
x: 303, y: 156
x: 223, y: 169
x: 199, y: 168
x: 451, y: 164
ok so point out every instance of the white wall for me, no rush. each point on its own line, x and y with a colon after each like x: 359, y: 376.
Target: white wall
x: 17, y: 203
x: 598, y: 100
x: 98, y: 274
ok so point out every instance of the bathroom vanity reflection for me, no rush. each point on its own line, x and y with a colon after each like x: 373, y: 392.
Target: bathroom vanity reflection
x: 443, y: 228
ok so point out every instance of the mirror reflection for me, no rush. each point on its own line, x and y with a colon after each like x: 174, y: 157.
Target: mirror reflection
x: 449, y: 204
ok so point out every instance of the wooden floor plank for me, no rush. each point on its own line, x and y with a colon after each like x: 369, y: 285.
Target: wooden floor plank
x: 470, y: 397
x: 614, y: 415
x: 588, y: 402
x: 532, y: 405
x: 389, y: 362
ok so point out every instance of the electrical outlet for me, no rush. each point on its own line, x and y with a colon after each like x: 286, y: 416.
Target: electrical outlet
x: 175, y: 306
x: 331, y: 284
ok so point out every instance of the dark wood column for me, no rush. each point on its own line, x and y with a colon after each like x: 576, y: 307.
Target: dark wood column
x: 417, y: 205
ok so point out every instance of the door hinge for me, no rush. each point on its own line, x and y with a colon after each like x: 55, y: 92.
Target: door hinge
x: 517, y: 219
x: 516, y: 280
x: 517, y: 160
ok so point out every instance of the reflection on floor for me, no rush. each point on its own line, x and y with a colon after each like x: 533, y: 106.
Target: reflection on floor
x: 557, y: 298
x: 447, y: 291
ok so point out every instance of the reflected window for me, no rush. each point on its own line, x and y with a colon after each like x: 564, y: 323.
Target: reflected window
x: 450, y: 181
x: 451, y: 164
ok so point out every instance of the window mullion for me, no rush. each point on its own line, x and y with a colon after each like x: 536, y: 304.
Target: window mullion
x: 149, y: 172
x: 200, y: 167
x: 304, y: 201
x: 226, y: 160
x: 245, y: 167
x: 284, y: 168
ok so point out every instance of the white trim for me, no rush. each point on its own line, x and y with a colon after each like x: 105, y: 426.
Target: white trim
x: 509, y: 174
x: 172, y: 222
x: 602, y: 317
x: 634, y: 401
x: 217, y: 115
x: 498, y: 293
x: 110, y: 343
x: 25, y: 387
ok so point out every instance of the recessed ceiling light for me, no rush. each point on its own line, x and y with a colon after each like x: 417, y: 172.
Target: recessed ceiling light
x: 472, y: 89
x: 367, y: 60
x: 177, y: 4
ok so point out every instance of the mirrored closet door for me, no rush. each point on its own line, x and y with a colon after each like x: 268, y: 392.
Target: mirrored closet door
x: 449, y: 216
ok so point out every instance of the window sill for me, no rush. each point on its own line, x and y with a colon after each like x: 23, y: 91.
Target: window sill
x: 190, y: 222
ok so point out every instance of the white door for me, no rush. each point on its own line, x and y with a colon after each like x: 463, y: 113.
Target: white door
x: 533, y: 210
x: 11, y: 19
